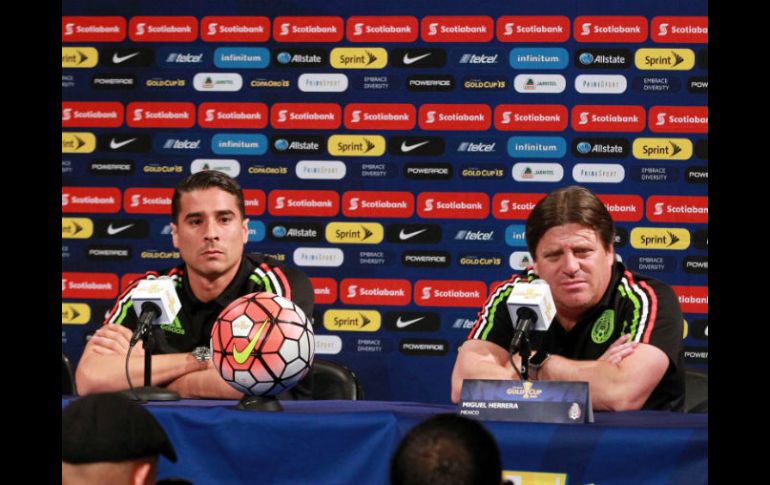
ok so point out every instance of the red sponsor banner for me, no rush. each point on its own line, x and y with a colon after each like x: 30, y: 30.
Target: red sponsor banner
x: 678, y: 208
x: 514, y: 205
x: 610, y: 29
x: 306, y: 116
x: 457, y: 28
x: 455, y: 117
x: 325, y: 290
x: 443, y: 293
x: 91, y: 114
x: 235, y: 29
x: 160, y: 115
x: 377, y: 204
x: 146, y: 200
x: 623, y: 208
x: 163, y: 29
x: 382, y: 29
x: 679, y: 119
x: 93, y: 29
x: 90, y: 199
x: 693, y: 299
x: 688, y: 30
x: 534, y: 28
x: 531, y: 117
x: 232, y: 115
x: 89, y: 285
x: 129, y: 278
x: 608, y: 118
x: 375, y: 291
x: 365, y: 116
x: 308, y: 29
x: 453, y: 205
x: 306, y: 203
x: 254, y: 200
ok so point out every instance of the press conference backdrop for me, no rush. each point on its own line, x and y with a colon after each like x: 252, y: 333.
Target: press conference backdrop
x: 391, y: 150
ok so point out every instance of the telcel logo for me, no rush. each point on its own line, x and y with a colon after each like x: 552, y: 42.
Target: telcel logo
x: 663, y: 149
x: 660, y: 238
x: 665, y: 59
x: 354, y: 233
x: 352, y: 320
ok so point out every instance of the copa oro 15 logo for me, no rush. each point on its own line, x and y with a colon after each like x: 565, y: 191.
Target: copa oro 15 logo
x: 352, y: 320
x: 75, y: 313
x: 79, y: 57
x: 664, y: 59
x: 356, y: 145
x: 663, y: 149
x: 78, y: 142
x: 525, y: 390
x: 76, y: 228
x: 355, y: 233
x: 660, y: 238
x: 359, y: 58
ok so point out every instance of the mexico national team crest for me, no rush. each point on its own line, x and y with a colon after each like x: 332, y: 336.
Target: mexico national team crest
x: 603, y: 327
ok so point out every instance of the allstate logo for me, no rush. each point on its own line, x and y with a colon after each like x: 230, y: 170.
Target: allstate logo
x: 586, y: 58
x: 279, y: 231
x: 283, y: 57
x: 281, y: 144
x: 584, y: 147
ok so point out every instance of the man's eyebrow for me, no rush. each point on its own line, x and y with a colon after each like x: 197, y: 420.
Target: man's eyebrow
x: 223, y: 212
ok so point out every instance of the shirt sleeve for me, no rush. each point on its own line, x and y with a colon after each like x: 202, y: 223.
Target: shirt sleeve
x: 494, y: 323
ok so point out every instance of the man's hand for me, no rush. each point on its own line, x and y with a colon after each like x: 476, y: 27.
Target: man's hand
x: 114, y: 340
x: 619, y: 350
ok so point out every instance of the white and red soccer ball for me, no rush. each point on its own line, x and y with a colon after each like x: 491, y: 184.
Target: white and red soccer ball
x: 262, y: 344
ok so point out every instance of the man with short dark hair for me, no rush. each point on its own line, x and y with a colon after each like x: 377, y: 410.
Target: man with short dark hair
x: 618, y: 330
x: 447, y: 449
x: 106, y: 438
x: 209, y: 228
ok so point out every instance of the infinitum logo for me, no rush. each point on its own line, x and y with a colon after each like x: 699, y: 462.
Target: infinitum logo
x: 363, y: 116
x: 663, y: 148
x: 306, y: 116
x: 90, y: 199
x: 308, y: 29
x: 378, y: 204
x: 352, y: 320
x: 232, y: 115
x: 530, y: 117
x: 679, y: 119
x: 79, y: 57
x: 364, y: 291
x: 685, y: 30
x: 693, y: 299
x: 665, y: 59
x: 93, y: 29
x: 514, y: 205
x: 163, y: 29
x: 160, y: 115
x: 382, y: 29
x: 239, y: 144
x: 89, y: 285
x: 354, y: 233
x: 623, y: 208
x: 356, y: 145
x: 610, y: 29
x: 457, y: 29
x: 676, y: 208
x: 660, y: 238
x: 305, y: 203
x: 453, y: 205
x: 608, y: 118
x: 445, y: 293
x: 455, y: 117
x: 241, y: 57
x: 235, y: 29
x: 537, y: 58
x: 551, y: 147
x: 359, y: 58
x: 554, y: 28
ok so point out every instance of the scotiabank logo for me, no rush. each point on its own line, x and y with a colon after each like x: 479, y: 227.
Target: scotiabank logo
x: 457, y: 29
x: 90, y: 199
x: 533, y: 28
x: 382, y: 29
x: 363, y: 116
x: 378, y: 204
x: 306, y: 203
x: 687, y: 30
x: 679, y: 119
x: 610, y: 29
x: 469, y: 294
x: 89, y: 285
x: 675, y: 208
x: 254, y: 200
x: 235, y: 29
x: 324, y: 290
x: 365, y: 291
x: 514, y: 205
x: 453, y: 205
x: 693, y: 299
x: 306, y: 116
x: 232, y: 115
x: 163, y: 29
x: 623, y: 208
x: 608, y: 118
x: 147, y: 200
x: 93, y: 29
x: 308, y: 29
x: 91, y: 114
x: 531, y: 117
x: 160, y: 115
x: 455, y: 117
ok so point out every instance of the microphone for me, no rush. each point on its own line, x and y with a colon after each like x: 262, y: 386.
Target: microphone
x: 530, y: 305
x: 155, y: 303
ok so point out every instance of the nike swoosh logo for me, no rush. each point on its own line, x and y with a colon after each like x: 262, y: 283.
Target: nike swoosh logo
x: 115, y: 145
x: 116, y: 59
x: 405, y: 323
x: 409, y: 235
x: 411, y: 60
x: 408, y: 148
x: 240, y: 356
x: 117, y: 230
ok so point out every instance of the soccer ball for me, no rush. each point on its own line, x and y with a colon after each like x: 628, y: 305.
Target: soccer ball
x: 262, y: 344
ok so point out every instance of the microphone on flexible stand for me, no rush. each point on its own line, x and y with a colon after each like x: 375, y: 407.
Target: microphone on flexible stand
x: 531, y: 307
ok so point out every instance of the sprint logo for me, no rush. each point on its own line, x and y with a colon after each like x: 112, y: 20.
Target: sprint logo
x: 359, y: 58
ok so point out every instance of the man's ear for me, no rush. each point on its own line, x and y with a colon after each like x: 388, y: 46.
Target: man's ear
x: 144, y: 473
x: 245, y: 230
x: 174, y: 235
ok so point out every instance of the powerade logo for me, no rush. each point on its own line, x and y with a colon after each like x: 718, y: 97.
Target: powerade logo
x: 241, y: 57
x: 426, y: 259
x: 652, y: 264
x: 514, y: 236
x: 100, y: 252
x: 177, y: 58
x: 237, y: 144
x: 113, y: 81
x: 600, y: 147
x: 537, y: 147
x: 256, y: 231
x: 424, y: 347
x: 697, y: 175
x: 430, y: 82
x: 429, y: 171
x: 538, y: 58
x: 698, y: 85
x: 180, y: 143
x: 696, y: 264
x: 603, y: 58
